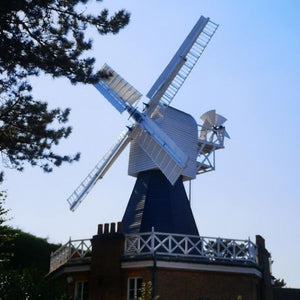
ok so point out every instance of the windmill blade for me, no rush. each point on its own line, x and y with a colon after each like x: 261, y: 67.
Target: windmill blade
x: 205, y: 129
x: 99, y: 170
x: 167, y: 85
x: 117, y: 90
x: 226, y: 133
x: 219, y: 120
x: 162, y: 150
x: 210, y: 117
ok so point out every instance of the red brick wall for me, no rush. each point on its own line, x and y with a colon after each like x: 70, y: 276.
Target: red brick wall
x: 180, y: 284
x: 105, y: 277
x: 192, y: 285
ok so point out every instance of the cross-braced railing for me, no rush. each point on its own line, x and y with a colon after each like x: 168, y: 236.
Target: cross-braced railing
x: 76, y: 249
x: 213, y: 249
x: 180, y: 245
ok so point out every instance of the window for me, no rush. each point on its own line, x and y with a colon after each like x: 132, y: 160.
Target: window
x: 81, y: 290
x: 134, y: 288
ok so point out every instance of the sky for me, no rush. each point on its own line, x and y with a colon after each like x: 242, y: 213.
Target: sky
x: 249, y: 73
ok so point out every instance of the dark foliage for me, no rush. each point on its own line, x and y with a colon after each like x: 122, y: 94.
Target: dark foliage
x: 24, y: 265
x: 30, y: 284
x: 279, y: 283
x: 30, y: 251
x: 6, y: 233
x: 43, y: 36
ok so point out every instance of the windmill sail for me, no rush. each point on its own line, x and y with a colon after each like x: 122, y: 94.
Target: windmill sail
x: 161, y: 149
x: 160, y: 156
x: 167, y: 85
x: 99, y: 170
x: 153, y: 144
x: 117, y: 90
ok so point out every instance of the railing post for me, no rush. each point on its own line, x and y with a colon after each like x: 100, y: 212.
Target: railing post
x: 202, y: 246
x: 81, y: 249
x: 218, y: 247
x: 70, y: 249
x: 256, y: 253
x: 152, y: 240
x: 252, y: 251
x: 138, y: 243
x: 249, y: 250
x: 125, y: 245
x: 234, y: 250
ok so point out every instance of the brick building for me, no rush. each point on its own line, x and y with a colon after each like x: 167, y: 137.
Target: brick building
x: 113, y: 265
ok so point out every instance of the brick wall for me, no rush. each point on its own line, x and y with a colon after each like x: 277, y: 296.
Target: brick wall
x: 105, y: 277
x: 286, y: 294
x: 195, y: 285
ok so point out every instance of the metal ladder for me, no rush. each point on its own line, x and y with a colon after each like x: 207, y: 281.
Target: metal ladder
x: 98, y: 172
x: 190, y: 60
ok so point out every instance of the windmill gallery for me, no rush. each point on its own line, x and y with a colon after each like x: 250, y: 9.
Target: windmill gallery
x: 158, y: 240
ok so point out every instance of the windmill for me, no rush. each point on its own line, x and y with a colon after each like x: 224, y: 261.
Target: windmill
x: 167, y: 146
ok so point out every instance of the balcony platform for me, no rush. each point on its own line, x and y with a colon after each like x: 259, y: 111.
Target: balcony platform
x: 170, y: 248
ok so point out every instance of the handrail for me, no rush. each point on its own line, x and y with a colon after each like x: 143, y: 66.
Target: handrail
x: 190, y: 246
x: 73, y: 249
x: 170, y: 244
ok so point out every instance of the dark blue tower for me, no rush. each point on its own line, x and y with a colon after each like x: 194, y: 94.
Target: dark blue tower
x: 154, y: 202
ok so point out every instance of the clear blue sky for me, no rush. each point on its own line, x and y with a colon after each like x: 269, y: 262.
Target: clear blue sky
x: 250, y: 73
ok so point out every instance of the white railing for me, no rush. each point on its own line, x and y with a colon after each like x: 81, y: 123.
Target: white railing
x: 76, y: 249
x: 190, y: 246
x: 181, y: 245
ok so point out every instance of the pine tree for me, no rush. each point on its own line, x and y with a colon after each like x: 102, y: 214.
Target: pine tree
x: 7, y: 235
x: 47, y: 36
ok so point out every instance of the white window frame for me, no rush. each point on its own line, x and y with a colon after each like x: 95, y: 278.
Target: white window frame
x: 135, y: 289
x: 82, y: 283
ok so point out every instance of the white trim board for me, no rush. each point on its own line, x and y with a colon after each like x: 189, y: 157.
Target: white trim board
x: 192, y: 266
x: 73, y: 269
